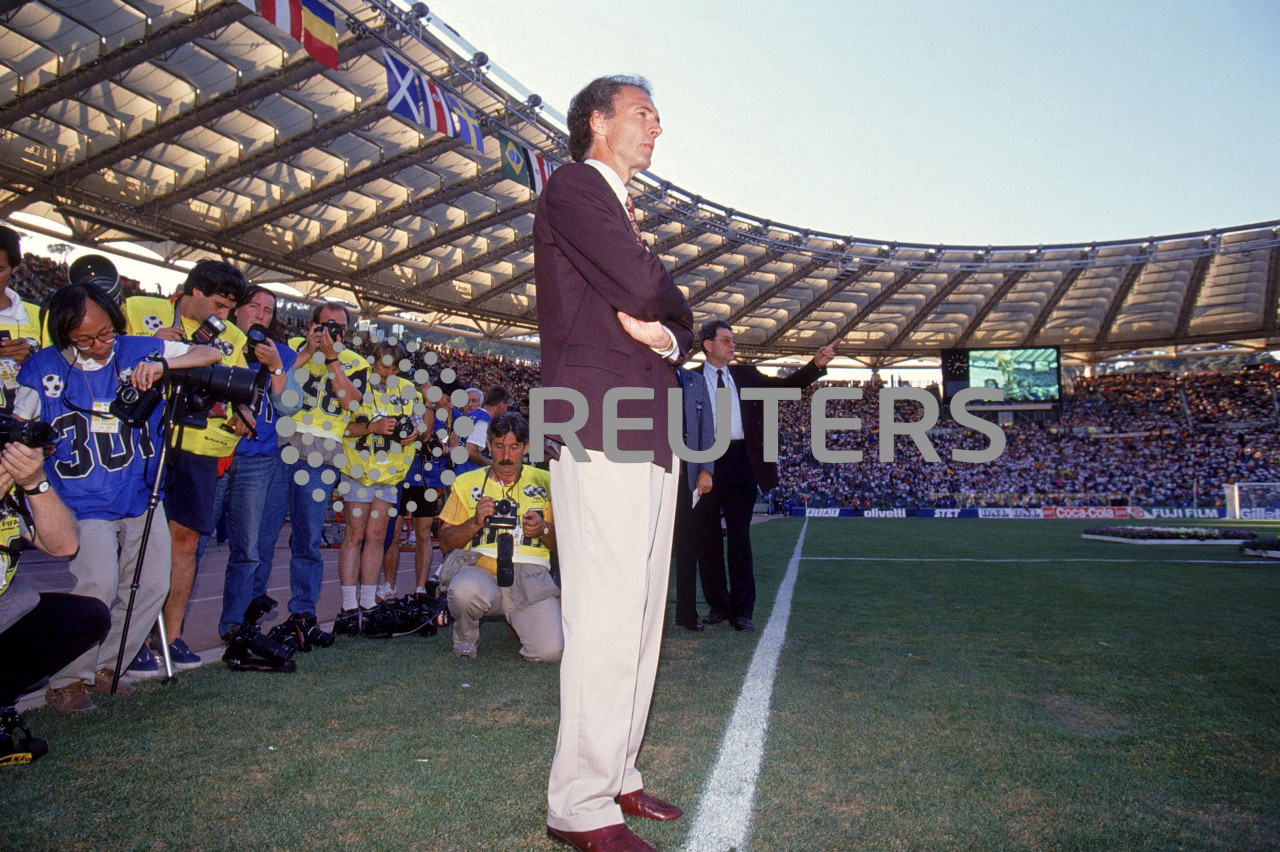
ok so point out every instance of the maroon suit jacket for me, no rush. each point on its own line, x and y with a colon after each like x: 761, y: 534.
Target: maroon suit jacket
x: 588, y: 266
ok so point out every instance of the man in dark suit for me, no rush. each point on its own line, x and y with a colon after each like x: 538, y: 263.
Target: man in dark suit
x: 741, y: 473
x: 609, y: 316
x: 695, y: 482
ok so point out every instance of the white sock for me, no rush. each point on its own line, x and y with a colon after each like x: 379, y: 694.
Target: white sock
x: 421, y: 590
x: 348, y: 597
x: 367, y: 598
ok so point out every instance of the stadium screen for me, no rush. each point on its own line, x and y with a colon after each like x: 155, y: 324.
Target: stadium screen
x: 1025, y: 375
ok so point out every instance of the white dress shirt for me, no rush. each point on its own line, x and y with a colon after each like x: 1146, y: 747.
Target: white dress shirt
x: 735, y: 413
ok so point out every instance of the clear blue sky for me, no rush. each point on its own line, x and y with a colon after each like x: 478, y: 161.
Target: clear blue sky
x: 975, y: 123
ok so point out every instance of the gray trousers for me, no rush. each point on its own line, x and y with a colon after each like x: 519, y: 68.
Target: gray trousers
x: 475, y: 593
x: 103, y: 569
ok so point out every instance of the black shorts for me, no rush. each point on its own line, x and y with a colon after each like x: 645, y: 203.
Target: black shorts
x: 188, y: 490
x: 422, y: 507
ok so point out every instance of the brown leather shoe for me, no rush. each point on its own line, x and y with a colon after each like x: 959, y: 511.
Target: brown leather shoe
x: 637, y: 803
x: 611, y: 838
x: 102, y: 684
x: 70, y: 699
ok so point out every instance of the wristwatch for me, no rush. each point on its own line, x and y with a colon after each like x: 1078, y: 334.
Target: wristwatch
x: 40, y: 488
x: 279, y: 371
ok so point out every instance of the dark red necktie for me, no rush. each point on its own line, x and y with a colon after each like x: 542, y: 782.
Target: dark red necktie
x: 635, y: 228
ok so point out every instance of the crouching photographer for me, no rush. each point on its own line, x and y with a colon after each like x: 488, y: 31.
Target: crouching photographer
x: 103, y: 469
x: 496, y: 529
x: 39, y: 633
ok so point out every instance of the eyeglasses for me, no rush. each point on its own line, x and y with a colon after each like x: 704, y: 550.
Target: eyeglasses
x: 107, y: 336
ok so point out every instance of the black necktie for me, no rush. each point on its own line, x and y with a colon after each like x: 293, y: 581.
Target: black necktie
x: 719, y: 378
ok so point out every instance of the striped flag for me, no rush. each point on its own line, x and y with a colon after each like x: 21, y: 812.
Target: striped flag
x: 438, y: 117
x: 309, y: 21
x: 522, y: 165
x: 285, y: 14
x: 320, y: 32
x: 420, y: 99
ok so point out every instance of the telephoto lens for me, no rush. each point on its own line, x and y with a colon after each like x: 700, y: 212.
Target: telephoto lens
x: 31, y: 433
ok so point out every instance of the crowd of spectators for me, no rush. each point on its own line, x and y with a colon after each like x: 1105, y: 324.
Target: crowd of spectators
x: 1149, y: 439
x: 38, y: 276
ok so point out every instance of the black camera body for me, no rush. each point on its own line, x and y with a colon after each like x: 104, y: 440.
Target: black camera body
x: 404, y: 427
x: 335, y: 329
x: 504, y: 518
x: 31, y: 433
x: 250, y: 651
x: 504, y: 515
x: 132, y: 406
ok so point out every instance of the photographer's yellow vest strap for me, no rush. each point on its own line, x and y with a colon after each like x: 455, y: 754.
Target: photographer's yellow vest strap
x: 531, y: 491
x: 381, y: 459
x: 145, y: 315
x: 323, y: 414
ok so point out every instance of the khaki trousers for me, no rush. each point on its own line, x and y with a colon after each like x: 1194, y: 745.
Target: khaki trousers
x: 475, y: 593
x: 103, y: 569
x: 614, y: 523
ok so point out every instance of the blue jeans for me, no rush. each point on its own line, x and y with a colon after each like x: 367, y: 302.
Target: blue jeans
x: 306, y: 568
x: 255, y: 489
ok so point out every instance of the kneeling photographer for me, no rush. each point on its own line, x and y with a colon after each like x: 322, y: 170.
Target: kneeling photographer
x: 496, y: 529
x: 103, y: 469
x: 39, y: 632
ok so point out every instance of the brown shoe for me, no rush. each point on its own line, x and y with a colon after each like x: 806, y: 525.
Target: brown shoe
x: 102, y: 684
x: 70, y: 699
x: 637, y: 803
x: 611, y: 838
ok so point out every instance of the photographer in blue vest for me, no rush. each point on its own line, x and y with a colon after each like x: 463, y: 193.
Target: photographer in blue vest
x: 255, y: 489
x: 103, y: 469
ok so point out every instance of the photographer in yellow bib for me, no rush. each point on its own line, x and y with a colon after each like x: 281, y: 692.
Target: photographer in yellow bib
x: 198, y: 314
x: 380, y: 444
x: 19, y: 321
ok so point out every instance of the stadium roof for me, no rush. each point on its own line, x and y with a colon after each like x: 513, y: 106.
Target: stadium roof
x: 198, y: 128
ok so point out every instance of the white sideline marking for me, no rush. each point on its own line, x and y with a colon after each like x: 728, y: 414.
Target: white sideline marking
x: 724, y: 811
x: 1255, y: 561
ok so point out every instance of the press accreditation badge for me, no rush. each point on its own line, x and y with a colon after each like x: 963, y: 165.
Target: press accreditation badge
x: 9, y: 373
x: 103, y: 420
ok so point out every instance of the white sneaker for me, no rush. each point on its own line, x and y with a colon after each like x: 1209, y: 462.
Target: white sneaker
x: 465, y: 649
x: 384, y: 592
